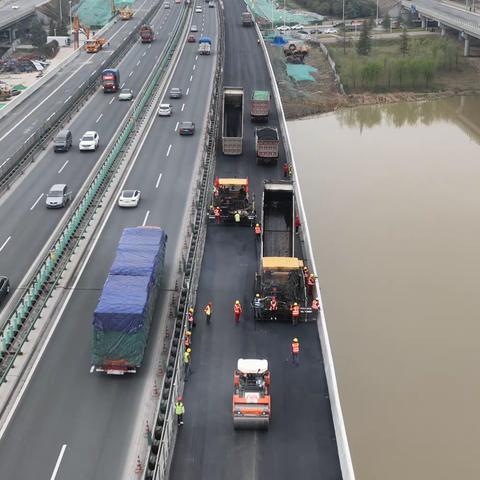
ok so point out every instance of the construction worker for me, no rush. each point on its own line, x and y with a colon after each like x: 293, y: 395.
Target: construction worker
x: 297, y: 223
x: 257, y: 305
x: 208, y: 312
x: 179, y: 410
x: 217, y: 213
x: 190, y: 319
x: 315, y: 307
x: 236, y: 217
x: 258, y: 41
x: 310, y: 284
x: 273, y: 308
x: 306, y: 274
x: 186, y: 362
x: 295, y: 313
x: 258, y: 231
x: 237, y: 311
x: 286, y: 170
x: 188, y: 339
x: 295, y: 352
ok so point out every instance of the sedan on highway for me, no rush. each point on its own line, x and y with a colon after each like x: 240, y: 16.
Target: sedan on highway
x: 4, y: 287
x: 125, y: 94
x: 191, y: 39
x: 198, y: 9
x: 194, y: 28
x: 187, y: 128
x: 164, y: 110
x: 89, y: 141
x: 175, y: 92
x: 129, y: 198
x: 58, y: 196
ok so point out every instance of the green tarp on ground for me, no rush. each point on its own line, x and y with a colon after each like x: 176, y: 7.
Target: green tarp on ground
x: 263, y: 8
x: 300, y: 72
x: 19, y: 87
x: 97, y: 13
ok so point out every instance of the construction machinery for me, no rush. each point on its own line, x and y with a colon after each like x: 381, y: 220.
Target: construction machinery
x: 280, y: 273
x: 5, y: 91
x: 232, y: 125
x: 266, y: 145
x: 146, y: 34
x: 295, y: 51
x: 247, y: 19
x: 94, y: 45
x: 251, y: 405
x: 111, y: 80
x: 260, y: 106
x: 231, y: 196
x: 125, y: 13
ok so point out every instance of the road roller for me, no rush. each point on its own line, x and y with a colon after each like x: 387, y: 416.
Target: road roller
x: 251, y: 399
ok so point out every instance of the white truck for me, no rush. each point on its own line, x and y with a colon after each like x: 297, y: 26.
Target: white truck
x: 204, y: 45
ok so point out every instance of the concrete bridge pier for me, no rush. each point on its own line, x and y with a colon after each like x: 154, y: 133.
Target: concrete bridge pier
x: 442, y: 28
x: 424, y: 22
x: 466, y: 46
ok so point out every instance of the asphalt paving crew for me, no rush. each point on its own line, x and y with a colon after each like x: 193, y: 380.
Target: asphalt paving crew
x: 315, y: 307
x: 257, y: 306
x: 217, y: 213
x: 295, y: 313
x: 295, y: 351
x: 187, y: 360
x: 273, y: 308
x: 179, y: 410
x: 237, y: 311
x: 208, y: 312
x: 258, y: 231
x: 236, y: 217
x: 190, y: 319
x: 187, y: 341
x: 310, y: 284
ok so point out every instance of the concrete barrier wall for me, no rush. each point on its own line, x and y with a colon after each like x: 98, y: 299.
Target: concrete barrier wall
x: 339, y: 425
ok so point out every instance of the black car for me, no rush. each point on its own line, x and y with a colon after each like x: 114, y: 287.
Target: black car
x: 4, y: 288
x: 186, y: 128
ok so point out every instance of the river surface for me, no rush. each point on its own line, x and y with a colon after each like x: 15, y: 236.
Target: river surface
x: 392, y: 194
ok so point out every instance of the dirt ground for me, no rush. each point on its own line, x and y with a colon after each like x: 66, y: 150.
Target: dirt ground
x: 306, y: 98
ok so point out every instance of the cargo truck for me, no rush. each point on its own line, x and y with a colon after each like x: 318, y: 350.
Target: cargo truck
x: 280, y: 273
x: 266, y: 145
x: 204, y: 45
x: 260, y: 106
x: 146, y: 34
x: 125, y: 311
x: 247, y: 19
x: 232, y: 127
x: 111, y: 80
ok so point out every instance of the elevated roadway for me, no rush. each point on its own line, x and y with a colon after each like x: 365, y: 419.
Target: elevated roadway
x: 12, y: 11
x: 301, y: 440
x: 94, y: 415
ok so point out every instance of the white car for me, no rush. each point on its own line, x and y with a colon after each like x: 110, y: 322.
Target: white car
x: 164, y: 110
x: 283, y: 28
x: 194, y: 28
x: 198, y: 9
x: 330, y: 30
x: 129, y: 198
x: 298, y: 27
x: 89, y: 141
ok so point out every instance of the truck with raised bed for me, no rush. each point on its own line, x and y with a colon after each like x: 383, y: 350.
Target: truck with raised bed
x: 232, y: 126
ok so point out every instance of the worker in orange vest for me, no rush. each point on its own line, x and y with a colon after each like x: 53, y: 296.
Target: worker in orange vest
x: 208, y: 312
x: 273, y: 308
x: 258, y: 231
x: 191, y: 320
x: 216, y: 212
x: 298, y: 223
x: 237, y: 310
x: 295, y: 352
x: 295, y: 313
x: 310, y: 284
x: 315, y: 307
x: 188, y: 339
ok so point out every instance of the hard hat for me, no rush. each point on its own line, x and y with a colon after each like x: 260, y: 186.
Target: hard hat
x: 188, y: 332
x: 305, y: 268
x: 237, y: 302
x: 189, y: 350
x: 295, y: 304
x: 295, y: 340
x: 311, y: 275
x: 190, y: 309
x: 257, y: 295
x: 257, y: 225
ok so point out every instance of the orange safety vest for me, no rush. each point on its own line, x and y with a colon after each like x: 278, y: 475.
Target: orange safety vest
x: 258, y: 230
x: 237, y: 309
x: 311, y: 281
x: 216, y: 211
x: 295, y: 347
x: 295, y: 311
x: 315, y: 305
x: 273, y: 305
x: 208, y: 310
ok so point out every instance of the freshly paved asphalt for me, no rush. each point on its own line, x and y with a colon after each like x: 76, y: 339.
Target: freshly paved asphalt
x: 29, y: 224
x: 300, y: 442
x: 65, y: 404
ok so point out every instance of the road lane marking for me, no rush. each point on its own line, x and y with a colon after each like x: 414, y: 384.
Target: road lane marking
x: 48, y: 118
x: 26, y: 141
x: 188, y: 90
x: 143, y: 54
x: 156, y: 185
x: 92, y: 368
x: 138, y: 63
x: 5, y: 162
x: 111, y: 101
x: 146, y: 218
x: 81, y: 85
x: 9, y: 238
x: 103, y: 63
x: 63, y: 166
x: 36, y: 201
x: 67, y: 99
x: 196, y: 58
x: 93, y: 73
x: 150, y: 46
x: 130, y: 74
x: 59, y: 461
x: 169, y: 148
x: 183, y: 107
x: 176, y: 127
x: 98, y: 119
x: 194, y: 67
x: 122, y: 85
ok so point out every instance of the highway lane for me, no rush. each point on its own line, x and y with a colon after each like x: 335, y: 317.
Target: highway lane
x: 23, y: 120
x: 65, y: 404
x: 300, y: 442
x: 23, y: 215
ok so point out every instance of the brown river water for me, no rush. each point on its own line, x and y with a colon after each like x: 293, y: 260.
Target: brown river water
x: 392, y: 194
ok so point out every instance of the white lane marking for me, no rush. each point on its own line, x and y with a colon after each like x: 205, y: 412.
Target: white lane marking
x: 194, y: 67
x: 26, y: 141
x: 183, y: 107
x: 150, y: 46
x: 143, y: 54
x: 103, y: 63
x: 8, y: 239
x: 36, y: 201
x: 92, y: 368
x: 6, y: 161
x: 130, y: 74
x: 122, y: 85
x: 93, y: 73
x: 156, y: 185
x: 176, y: 127
x: 63, y: 166
x: 81, y: 85
x: 188, y: 90
x: 59, y: 461
x: 67, y: 99
x: 196, y: 58
x: 169, y: 148
x: 138, y: 63
x: 98, y: 119
x: 48, y: 118
x: 111, y: 101
x: 146, y: 218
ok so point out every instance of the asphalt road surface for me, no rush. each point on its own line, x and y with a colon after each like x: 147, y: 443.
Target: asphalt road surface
x: 25, y: 222
x: 300, y: 442
x: 93, y: 414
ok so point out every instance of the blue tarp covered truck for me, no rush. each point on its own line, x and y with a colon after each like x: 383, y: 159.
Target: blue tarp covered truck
x: 124, y: 314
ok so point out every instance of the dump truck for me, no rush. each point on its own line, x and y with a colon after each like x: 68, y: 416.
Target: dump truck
x: 232, y: 127
x: 125, y: 13
x: 280, y: 273
x: 204, y: 45
x: 231, y: 195
x: 111, y: 80
x: 247, y: 19
x: 266, y: 145
x: 251, y: 403
x: 125, y: 311
x: 146, y: 34
x: 94, y: 45
x: 260, y: 106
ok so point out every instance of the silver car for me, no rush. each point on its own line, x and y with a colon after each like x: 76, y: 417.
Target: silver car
x: 175, y: 92
x: 125, y: 94
x: 58, y: 196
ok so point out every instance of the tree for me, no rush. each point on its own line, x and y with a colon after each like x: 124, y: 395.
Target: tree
x: 365, y: 41
x: 371, y: 72
x: 386, y: 22
x: 428, y: 70
x: 39, y: 35
x: 404, y: 42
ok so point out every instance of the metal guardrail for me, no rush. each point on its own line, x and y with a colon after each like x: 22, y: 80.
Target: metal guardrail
x: 15, y: 332
x: 164, y: 432
x: 15, y: 165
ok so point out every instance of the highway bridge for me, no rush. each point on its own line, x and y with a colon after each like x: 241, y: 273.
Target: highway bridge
x: 448, y: 16
x: 63, y: 421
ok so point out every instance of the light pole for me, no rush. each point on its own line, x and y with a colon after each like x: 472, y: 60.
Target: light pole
x: 272, y: 17
x: 344, y: 29
x: 70, y: 15
x: 284, y: 13
x: 61, y: 16
x: 377, y: 14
